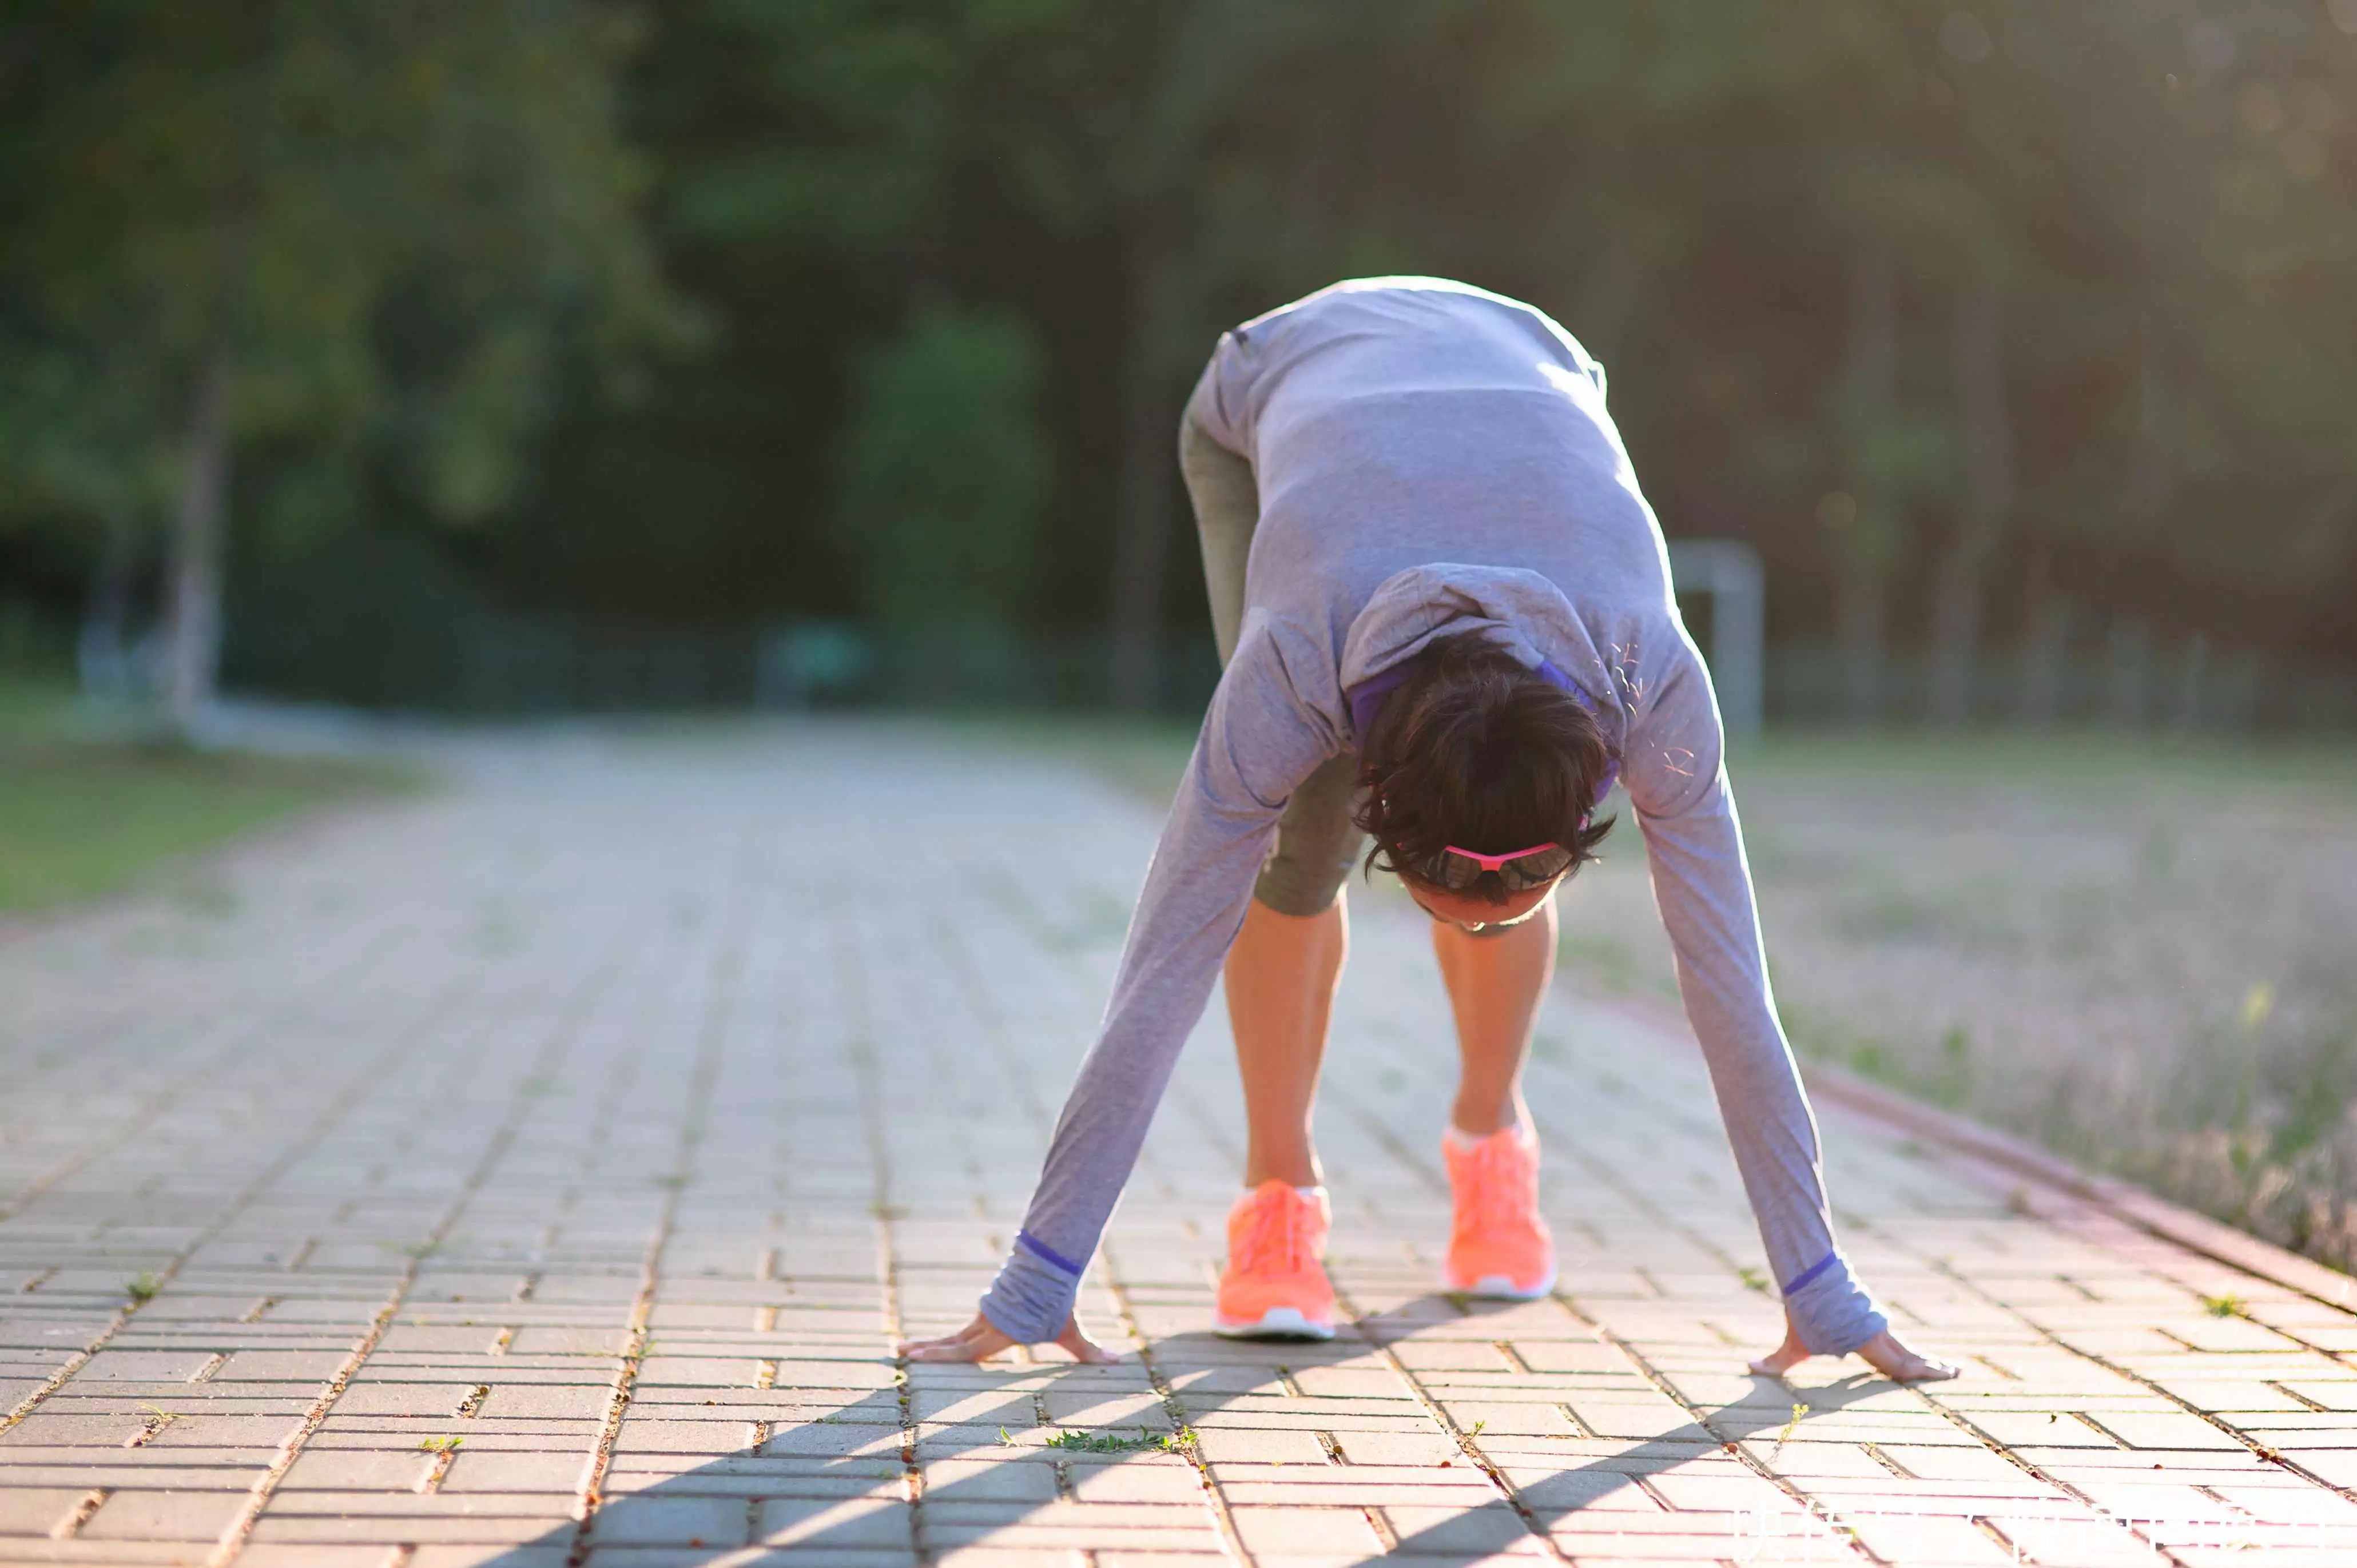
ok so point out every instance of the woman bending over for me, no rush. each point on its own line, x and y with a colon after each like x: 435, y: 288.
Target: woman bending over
x: 1446, y: 615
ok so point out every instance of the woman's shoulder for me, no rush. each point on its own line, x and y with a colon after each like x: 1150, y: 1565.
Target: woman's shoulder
x: 1278, y: 656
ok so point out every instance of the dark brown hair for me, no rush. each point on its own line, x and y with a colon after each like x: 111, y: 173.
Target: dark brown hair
x: 1476, y: 750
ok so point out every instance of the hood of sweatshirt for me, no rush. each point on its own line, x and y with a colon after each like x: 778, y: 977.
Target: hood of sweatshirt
x: 1517, y: 610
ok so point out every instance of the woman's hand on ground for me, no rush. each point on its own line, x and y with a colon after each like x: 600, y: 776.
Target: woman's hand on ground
x: 1883, y: 1353
x: 980, y: 1340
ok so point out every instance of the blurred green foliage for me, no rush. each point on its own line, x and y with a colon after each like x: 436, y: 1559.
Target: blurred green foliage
x: 399, y: 221
x: 357, y: 242
x: 946, y: 470
x: 683, y: 315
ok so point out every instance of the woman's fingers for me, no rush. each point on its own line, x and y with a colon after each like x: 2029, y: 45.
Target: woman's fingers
x: 1080, y: 1347
x: 980, y: 1340
x: 1883, y: 1353
x: 1784, y: 1358
x: 1894, y: 1361
x: 977, y: 1349
x: 979, y: 1323
x: 977, y: 1341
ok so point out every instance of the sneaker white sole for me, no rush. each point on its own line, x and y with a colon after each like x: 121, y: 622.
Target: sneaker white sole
x: 1276, y: 1323
x: 1497, y: 1287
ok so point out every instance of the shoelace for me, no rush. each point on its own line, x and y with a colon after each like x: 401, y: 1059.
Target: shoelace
x: 1271, y: 1238
x: 1495, y: 1171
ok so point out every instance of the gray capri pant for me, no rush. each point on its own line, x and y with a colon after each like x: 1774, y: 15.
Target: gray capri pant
x: 1317, y: 842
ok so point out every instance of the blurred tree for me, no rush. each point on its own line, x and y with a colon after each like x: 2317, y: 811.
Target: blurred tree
x: 1986, y: 184
x: 1983, y: 510
x: 1962, y: 310
x: 1898, y: 208
x: 943, y: 493
x: 834, y: 140
x: 78, y: 455
x: 2207, y: 150
x: 882, y: 111
x: 369, y: 234
x: 1162, y: 175
x: 1267, y: 147
x: 855, y: 120
x: 1684, y: 149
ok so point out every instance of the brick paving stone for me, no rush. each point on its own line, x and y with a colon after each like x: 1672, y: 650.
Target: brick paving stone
x: 1457, y: 1530
x: 328, y: 1469
x: 28, y: 1510
x: 1295, y: 1530
x: 539, y: 1174
x: 161, y: 1516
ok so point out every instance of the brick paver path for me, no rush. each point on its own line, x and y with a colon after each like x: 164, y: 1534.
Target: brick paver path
x: 540, y: 1174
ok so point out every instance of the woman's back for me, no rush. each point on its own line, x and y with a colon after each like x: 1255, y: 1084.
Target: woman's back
x: 1395, y: 423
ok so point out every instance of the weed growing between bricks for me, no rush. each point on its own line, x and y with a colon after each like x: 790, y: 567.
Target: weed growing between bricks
x: 1073, y: 1441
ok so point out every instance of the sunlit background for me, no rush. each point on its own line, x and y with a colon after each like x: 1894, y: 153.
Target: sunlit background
x: 522, y: 359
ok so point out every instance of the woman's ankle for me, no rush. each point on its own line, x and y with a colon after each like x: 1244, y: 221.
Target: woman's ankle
x: 1474, y: 1122
x: 1298, y: 1171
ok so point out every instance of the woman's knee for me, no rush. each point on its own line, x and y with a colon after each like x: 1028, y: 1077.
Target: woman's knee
x: 1317, y: 842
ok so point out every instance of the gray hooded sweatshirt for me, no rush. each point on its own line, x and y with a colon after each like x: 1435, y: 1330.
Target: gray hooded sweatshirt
x: 1435, y: 461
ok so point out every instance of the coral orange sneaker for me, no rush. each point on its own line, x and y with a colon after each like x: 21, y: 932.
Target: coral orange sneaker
x: 1275, y: 1286
x: 1499, y: 1247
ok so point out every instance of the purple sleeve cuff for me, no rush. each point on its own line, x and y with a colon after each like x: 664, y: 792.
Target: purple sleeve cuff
x: 1031, y: 1299
x: 1024, y: 1240
x: 1832, y: 1312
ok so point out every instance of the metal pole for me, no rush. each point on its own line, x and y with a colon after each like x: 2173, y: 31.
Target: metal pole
x: 1728, y: 570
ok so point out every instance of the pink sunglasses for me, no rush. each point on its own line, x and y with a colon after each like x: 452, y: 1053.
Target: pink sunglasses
x: 1498, y: 861
x: 1455, y: 876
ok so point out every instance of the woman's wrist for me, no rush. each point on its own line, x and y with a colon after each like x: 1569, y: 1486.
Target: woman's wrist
x: 1031, y: 1298
x: 1833, y: 1313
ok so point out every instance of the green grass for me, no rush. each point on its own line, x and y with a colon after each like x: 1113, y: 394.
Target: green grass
x: 89, y: 809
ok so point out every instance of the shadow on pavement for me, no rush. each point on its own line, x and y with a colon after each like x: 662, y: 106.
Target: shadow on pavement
x: 835, y: 1483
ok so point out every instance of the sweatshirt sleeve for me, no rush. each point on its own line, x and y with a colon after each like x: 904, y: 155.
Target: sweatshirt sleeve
x: 1676, y: 777
x: 1258, y: 742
